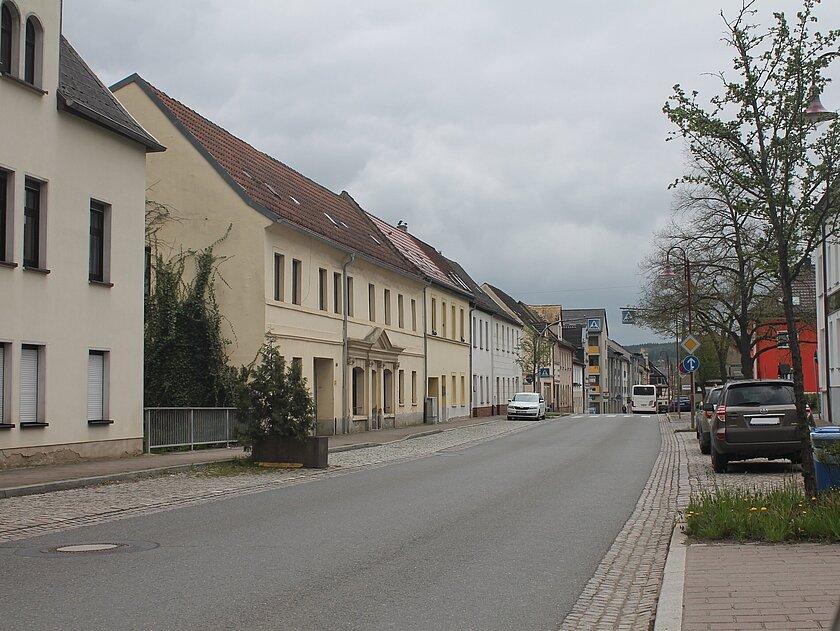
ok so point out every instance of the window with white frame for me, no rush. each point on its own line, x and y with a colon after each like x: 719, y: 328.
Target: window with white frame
x: 30, y: 384
x: 2, y: 383
x: 96, y: 391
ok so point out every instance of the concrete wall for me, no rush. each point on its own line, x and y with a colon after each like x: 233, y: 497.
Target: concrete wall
x: 76, y: 161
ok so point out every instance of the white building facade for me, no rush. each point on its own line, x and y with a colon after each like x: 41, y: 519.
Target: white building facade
x: 72, y: 200
x: 828, y: 326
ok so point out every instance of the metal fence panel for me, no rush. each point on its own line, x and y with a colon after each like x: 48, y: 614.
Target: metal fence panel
x: 189, y: 427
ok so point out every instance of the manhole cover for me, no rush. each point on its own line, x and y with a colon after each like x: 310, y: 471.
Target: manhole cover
x: 87, y: 547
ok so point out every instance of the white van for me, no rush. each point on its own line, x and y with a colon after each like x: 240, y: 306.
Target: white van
x: 643, y: 400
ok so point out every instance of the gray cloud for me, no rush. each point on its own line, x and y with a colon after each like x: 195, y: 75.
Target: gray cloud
x: 524, y: 139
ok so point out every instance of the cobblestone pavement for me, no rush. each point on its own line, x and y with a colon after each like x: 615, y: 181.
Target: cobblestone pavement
x: 753, y: 586
x: 32, y: 515
x: 624, y: 590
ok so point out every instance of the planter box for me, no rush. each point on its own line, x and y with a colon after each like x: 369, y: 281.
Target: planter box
x: 311, y: 452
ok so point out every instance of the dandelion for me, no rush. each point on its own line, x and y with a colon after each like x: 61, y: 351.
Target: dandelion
x: 764, y: 508
x: 753, y: 509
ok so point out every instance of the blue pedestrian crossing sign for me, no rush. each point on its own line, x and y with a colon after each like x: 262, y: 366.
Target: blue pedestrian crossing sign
x: 690, y: 364
x: 593, y: 324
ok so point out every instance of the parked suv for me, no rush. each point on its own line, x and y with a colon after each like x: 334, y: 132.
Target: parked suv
x: 704, y: 425
x: 754, y: 419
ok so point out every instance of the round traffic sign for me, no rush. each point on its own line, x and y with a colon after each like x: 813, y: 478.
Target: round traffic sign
x: 690, y: 364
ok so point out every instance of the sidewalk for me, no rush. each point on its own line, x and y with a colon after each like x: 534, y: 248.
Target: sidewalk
x: 43, y: 479
x: 750, y: 586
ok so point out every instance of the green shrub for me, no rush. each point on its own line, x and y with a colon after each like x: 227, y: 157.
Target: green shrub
x: 782, y: 514
x: 273, y: 399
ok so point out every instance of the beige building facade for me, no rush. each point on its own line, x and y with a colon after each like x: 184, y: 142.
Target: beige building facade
x: 72, y: 180
x: 301, y: 265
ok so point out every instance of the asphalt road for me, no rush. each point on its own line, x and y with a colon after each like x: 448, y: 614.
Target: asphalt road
x: 500, y: 535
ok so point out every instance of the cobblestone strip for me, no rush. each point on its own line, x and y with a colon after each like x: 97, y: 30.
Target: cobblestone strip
x: 623, y: 592
x: 33, y: 515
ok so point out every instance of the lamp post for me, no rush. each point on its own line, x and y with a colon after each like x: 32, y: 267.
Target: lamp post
x: 815, y: 113
x: 669, y: 272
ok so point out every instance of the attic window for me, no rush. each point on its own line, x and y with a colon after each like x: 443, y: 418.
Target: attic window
x: 271, y: 188
x: 248, y: 175
x: 295, y: 201
x: 795, y: 300
x: 377, y: 241
x: 331, y: 219
x: 343, y: 224
x: 458, y: 280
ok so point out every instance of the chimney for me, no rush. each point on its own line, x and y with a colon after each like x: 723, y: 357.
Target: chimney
x: 401, y: 225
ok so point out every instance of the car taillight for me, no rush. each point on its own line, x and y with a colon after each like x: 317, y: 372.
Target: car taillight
x: 721, y: 413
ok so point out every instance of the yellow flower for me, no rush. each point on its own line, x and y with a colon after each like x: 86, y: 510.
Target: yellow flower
x: 753, y: 508
x: 763, y: 508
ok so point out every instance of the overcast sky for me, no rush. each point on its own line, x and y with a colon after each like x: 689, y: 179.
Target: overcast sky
x: 524, y: 139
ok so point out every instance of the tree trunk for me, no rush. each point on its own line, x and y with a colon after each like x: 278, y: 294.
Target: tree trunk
x: 720, y: 353
x: 745, y: 350
x: 808, y: 475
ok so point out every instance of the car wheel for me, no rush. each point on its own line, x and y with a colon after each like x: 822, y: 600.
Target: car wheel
x: 719, y: 461
x: 508, y: 418
x: 705, y: 445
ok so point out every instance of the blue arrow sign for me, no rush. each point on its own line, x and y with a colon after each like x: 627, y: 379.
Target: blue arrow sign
x: 690, y: 363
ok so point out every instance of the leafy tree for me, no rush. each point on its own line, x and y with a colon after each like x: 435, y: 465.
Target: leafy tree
x: 534, y: 352
x: 273, y: 399
x: 755, y: 134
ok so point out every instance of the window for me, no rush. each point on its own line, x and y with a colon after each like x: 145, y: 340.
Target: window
x: 30, y: 384
x: 96, y: 409
x: 474, y: 337
x: 497, y: 336
x: 371, y: 302
x: 296, y: 281
x: 349, y: 297
x: 279, y: 277
x: 594, y: 360
x: 387, y: 295
x: 4, y: 204
x: 147, y: 271
x: 480, y: 334
x: 400, y: 312
x: 337, y: 292
x: 443, y: 319
x: 453, y: 322
x: 322, y: 289
x: 32, y: 224
x: 413, y: 315
x: 782, y: 340
x: 434, y: 316
x: 463, y: 390
x: 487, y: 336
x: 461, y: 325
x: 401, y: 386
x: 32, y: 52
x: 453, y: 398
x: 414, y: 387
x: 96, y: 256
x: 7, y: 34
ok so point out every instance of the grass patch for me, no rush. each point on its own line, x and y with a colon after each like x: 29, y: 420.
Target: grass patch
x: 237, y: 466
x: 775, y: 515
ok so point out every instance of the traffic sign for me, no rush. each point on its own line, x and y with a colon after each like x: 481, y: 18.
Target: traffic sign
x: 593, y: 324
x: 690, y: 364
x: 628, y: 316
x: 691, y: 344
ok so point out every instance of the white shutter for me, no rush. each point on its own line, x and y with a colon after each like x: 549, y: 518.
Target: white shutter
x: 95, y: 387
x: 2, y: 383
x: 29, y: 385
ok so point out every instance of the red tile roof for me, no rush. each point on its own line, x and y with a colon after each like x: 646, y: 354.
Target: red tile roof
x: 423, y: 256
x: 275, y: 189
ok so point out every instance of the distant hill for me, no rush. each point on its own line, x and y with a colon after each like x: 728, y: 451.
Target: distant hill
x: 655, y: 350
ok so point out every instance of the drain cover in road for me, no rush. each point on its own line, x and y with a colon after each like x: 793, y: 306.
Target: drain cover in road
x: 89, y: 549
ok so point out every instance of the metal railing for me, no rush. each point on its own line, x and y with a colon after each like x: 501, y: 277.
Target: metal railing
x: 188, y: 427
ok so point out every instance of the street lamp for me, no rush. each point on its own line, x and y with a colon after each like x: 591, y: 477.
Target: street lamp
x: 668, y: 272
x: 816, y: 113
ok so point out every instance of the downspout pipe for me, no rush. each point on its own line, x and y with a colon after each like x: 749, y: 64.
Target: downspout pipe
x: 345, y: 351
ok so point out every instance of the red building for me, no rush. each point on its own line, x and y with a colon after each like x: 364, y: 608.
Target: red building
x: 772, y: 351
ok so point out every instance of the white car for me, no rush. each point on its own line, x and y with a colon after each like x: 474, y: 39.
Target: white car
x: 526, y: 405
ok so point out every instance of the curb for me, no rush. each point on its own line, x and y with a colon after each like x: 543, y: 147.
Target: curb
x: 669, y: 610
x: 77, y: 483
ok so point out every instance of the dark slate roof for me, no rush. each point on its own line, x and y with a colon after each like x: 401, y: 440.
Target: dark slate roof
x: 275, y: 189
x: 483, y: 302
x: 579, y: 316
x: 80, y: 92
x: 520, y: 309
